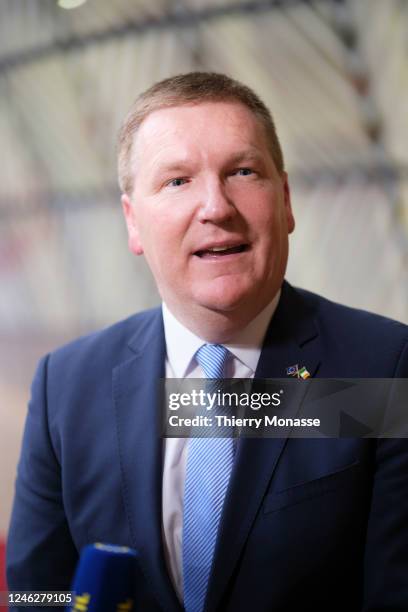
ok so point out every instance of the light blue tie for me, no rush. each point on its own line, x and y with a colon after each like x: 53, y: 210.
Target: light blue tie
x: 209, y: 466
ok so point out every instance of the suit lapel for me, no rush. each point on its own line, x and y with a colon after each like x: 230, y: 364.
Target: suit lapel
x: 292, y: 338
x: 137, y: 400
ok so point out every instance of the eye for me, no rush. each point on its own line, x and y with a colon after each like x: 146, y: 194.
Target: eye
x: 244, y: 171
x: 177, y: 182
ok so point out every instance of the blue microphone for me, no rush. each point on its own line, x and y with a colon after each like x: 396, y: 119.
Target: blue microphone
x: 105, y: 579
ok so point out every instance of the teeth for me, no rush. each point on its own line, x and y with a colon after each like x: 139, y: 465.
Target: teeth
x: 228, y: 249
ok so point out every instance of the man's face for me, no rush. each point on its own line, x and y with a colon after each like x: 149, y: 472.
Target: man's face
x: 209, y: 209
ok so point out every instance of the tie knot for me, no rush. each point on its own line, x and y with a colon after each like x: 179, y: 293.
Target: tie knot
x: 212, y: 359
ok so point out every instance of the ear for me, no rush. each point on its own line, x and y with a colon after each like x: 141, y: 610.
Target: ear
x: 135, y: 245
x: 290, y: 219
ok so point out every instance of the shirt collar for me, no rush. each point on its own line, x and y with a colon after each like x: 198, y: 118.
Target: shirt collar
x: 182, y: 344
x: 247, y: 343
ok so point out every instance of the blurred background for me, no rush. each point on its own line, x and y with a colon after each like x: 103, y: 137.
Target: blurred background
x: 333, y: 72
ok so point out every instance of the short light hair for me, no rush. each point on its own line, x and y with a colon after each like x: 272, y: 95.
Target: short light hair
x: 190, y: 89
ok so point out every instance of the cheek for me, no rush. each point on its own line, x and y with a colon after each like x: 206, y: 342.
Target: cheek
x: 270, y: 229
x: 162, y: 239
x: 258, y: 202
x: 264, y: 220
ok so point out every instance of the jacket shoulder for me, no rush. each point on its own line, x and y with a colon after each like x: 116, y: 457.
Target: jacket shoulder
x: 359, y: 336
x: 110, y: 345
x: 352, y: 316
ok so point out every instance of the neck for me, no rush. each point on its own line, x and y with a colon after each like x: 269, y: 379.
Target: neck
x: 221, y: 327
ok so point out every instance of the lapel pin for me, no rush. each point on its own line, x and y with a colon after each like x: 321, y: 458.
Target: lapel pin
x: 295, y: 372
x: 303, y: 373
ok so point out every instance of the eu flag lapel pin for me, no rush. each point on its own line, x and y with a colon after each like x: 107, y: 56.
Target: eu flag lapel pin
x: 295, y: 372
x: 292, y: 370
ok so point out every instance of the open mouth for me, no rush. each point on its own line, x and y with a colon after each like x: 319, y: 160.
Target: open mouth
x: 222, y: 251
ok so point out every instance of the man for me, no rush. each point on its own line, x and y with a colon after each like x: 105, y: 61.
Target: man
x: 298, y: 523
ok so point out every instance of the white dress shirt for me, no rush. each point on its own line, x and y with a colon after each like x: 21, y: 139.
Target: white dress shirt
x: 181, y: 346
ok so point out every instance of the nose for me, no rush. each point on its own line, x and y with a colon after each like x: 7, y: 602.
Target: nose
x: 216, y: 206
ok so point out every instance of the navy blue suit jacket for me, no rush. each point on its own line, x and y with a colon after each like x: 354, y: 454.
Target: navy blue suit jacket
x: 316, y: 524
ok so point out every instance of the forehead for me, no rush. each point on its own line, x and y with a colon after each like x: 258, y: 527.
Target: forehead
x: 217, y: 126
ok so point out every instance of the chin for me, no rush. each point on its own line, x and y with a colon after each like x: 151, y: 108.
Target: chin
x: 226, y: 301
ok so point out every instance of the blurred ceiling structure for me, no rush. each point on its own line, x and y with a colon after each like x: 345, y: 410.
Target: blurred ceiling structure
x: 335, y: 75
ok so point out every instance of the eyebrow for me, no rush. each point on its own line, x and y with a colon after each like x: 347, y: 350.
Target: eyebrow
x: 172, y: 166
x: 183, y: 165
x: 248, y: 155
